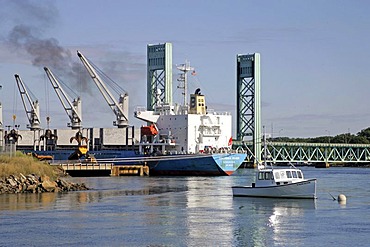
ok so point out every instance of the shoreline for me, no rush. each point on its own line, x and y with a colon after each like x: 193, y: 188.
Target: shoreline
x: 15, y: 184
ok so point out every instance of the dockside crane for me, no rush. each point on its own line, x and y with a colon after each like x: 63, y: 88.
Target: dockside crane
x: 120, y: 108
x: 1, y: 123
x: 31, y: 106
x: 73, y: 109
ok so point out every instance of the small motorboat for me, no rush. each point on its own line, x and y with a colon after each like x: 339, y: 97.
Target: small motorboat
x: 279, y: 183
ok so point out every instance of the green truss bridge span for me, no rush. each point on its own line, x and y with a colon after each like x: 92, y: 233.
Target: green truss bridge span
x: 306, y: 153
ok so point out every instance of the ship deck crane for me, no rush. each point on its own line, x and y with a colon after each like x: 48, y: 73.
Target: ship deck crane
x: 73, y: 109
x: 31, y: 106
x: 120, y: 109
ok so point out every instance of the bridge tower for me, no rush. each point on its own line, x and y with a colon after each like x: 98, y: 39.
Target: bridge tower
x: 159, y: 72
x: 248, y: 125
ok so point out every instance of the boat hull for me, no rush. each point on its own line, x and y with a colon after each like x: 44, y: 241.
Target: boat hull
x: 109, y: 154
x: 196, y: 165
x: 221, y: 164
x: 301, y: 190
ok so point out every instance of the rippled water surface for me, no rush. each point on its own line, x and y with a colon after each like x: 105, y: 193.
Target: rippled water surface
x: 189, y: 211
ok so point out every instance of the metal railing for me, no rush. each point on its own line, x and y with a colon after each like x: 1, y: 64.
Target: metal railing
x: 285, y: 152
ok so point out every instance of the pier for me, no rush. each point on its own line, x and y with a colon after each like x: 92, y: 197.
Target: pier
x: 103, y: 169
x: 123, y: 170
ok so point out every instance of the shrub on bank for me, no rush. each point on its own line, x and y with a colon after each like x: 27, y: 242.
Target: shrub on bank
x: 21, y: 173
x: 21, y: 163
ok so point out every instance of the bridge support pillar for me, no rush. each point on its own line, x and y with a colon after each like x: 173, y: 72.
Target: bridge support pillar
x: 249, y: 101
x: 159, y: 72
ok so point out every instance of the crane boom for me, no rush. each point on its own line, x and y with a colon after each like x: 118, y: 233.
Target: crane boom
x: 33, y: 111
x: 73, y: 109
x: 1, y: 118
x: 120, y: 108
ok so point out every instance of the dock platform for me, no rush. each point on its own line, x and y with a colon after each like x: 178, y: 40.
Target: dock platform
x: 130, y: 170
x: 103, y: 169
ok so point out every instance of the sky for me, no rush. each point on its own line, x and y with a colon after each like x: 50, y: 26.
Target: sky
x: 315, y: 57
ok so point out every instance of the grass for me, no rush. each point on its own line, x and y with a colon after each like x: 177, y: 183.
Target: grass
x: 21, y: 163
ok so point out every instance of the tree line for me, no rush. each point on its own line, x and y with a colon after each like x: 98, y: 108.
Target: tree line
x: 362, y: 137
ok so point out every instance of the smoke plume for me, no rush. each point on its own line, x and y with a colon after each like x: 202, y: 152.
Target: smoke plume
x: 28, y: 38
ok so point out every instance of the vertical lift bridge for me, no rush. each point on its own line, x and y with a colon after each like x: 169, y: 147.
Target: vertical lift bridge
x: 159, y: 72
x: 249, y: 101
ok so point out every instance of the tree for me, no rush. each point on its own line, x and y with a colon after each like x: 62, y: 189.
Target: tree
x: 365, y: 133
x: 362, y: 137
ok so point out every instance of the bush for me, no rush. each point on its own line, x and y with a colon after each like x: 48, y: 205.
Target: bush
x: 21, y: 163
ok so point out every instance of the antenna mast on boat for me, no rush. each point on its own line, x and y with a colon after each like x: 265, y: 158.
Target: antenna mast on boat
x: 265, y: 149
x: 184, y: 68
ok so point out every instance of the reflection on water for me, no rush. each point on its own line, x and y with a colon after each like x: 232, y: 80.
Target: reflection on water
x: 269, y: 219
x: 27, y: 201
x: 187, y: 211
x: 73, y: 200
x: 208, y: 212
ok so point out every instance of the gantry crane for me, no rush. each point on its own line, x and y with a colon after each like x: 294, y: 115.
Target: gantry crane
x: 120, y: 109
x: 1, y: 122
x: 73, y: 109
x: 31, y: 106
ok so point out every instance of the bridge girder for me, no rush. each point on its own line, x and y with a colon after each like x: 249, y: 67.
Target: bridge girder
x: 288, y: 152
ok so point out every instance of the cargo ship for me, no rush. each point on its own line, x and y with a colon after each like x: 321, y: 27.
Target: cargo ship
x: 180, y: 141
x: 183, y: 140
x: 204, y: 135
x: 201, y: 164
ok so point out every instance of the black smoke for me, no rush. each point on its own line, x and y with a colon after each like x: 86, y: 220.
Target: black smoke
x: 28, y: 32
x: 26, y: 37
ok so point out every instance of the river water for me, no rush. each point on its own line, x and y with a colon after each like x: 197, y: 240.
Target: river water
x: 190, y: 211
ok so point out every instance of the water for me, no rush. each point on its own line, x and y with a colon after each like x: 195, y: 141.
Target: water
x: 189, y: 211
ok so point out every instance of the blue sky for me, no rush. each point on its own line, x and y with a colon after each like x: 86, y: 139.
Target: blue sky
x: 314, y: 56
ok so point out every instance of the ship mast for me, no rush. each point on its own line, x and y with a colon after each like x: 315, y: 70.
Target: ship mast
x: 184, y: 68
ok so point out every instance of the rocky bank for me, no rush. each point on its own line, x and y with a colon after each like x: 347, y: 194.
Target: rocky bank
x: 35, y: 184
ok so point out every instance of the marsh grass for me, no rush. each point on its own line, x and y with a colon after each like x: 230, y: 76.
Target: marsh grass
x: 21, y: 163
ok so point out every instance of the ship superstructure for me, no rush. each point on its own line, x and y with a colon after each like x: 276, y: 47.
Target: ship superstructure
x: 193, y: 130
x: 189, y: 129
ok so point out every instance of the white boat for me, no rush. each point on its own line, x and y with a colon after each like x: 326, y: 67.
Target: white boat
x: 279, y: 183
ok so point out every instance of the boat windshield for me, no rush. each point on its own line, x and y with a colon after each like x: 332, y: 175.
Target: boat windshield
x: 265, y: 176
x: 294, y: 173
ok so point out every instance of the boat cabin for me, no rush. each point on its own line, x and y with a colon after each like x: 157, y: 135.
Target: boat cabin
x: 271, y: 177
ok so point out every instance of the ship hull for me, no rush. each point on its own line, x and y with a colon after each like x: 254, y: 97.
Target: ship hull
x: 196, y: 165
x: 168, y: 165
x: 64, y: 154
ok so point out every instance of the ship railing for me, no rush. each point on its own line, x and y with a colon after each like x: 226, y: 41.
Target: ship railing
x: 139, y: 109
x: 224, y: 150
x: 213, y: 112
